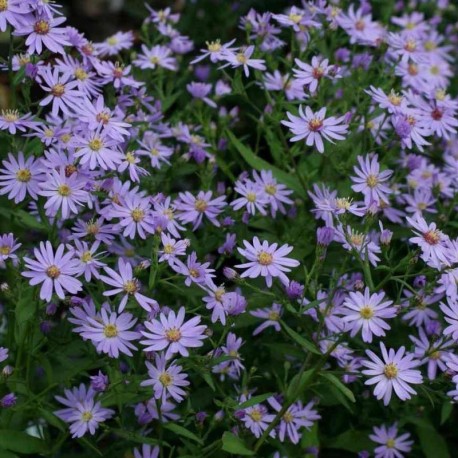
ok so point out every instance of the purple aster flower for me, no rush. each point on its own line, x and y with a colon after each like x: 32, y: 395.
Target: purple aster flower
x: 172, y: 248
x: 253, y: 197
x: 116, y: 74
x: 135, y: 216
x: 192, y: 209
x: 99, y: 382
x: 172, y: 333
x: 297, y: 416
x: 194, y: 271
x: 242, y: 58
x: 391, y: 445
x: 166, y: 381
x: 219, y: 301
x: 313, y: 127
x: 294, y: 290
x: 234, y: 365
x: 61, y: 91
x: 11, y: 121
x: 43, y: 32
x: 215, y: 50
x: 7, y: 401
x: 370, y: 181
x: 126, y: 283
x: 276, y: 193
x: 310, y: 75
x: 157, y: 56
x: 431, y: 241
x: 114, y: 44
x: 266, y: 261
x: 229, y: 244
x: 156, y: 151
x: 82, y: 411
x: 271, y: 315
x: 257, y: 420
x: 367, y: 312
x: 55, y: 271
x: 19, y: 177
x: 419, y: 314
x: 13, y: 12
x: 97, y: 149
x: 200, y: 91
x: 324, y: 236
x: 395, y: 371
x: 111, y: 333
x: 393, y: 102
x: 431, y: 353
x: 94, y: 229
x: 63, y: 193
x: 8, y: 245
x: 89, y: 264
x: 3, y: 354
x: 147, y: 451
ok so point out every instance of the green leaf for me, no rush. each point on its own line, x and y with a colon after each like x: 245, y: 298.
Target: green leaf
x: 254, y: 400
x: 446, y: 411
x: 298, y: 384
x: 135, y: 437
x: 352, y: 441
x: 234, y: 445
x: 260, y: 164
x: 339, y: 385
x: 181, y: 431
x: 300, y: 340
x: 432, y: 443
x: 6, y: 454
x: 20, y: 442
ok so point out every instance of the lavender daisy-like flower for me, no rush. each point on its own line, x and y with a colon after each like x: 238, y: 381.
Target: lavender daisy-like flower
x: 391, y: 445
x: 431, y: 241
x: 370, y: 181
x: 271, y: 316
x: 126, y: 283
x: 166, y: 381
x: 257, y: 419
x: 64, y: 193
x: 395, y: 371
x: 111, y: 333
x: 266, y: 261
x: 11, y: 121
x: 192, y: 209
x: 8, y: 245
x: 88, y: 259
x: 19, y: 177
x: 43, y: 32
x: 313, y: 127
x: 82, y: 411
x: 367, y: 311
x: 297, y: 416
x: 242, y: 58
x: 171, y: 332
x: 55, y: 271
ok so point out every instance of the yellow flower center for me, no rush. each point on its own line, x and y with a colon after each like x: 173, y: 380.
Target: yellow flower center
x: 343, y: 203
x: 173, y: 335
x: 440, y: 94
x: 274, y: 316
x: 288, y: 417
x: 241, y: 58
x: 110, y: 331
x: 251, y: 197
x: 52, y: 271
x: 412, y: 69
x: 58, y: 90
x: 41, y: 27
x: 130, y: 158
x: 10, y: 115
x: 315, y: 124
x: 360, y: 25
x: 154, y: 60
x: 112, y: 41
x: 3, y: 5
x: 390, y: 443
x: 64, y: 190
x: 131, y: 286
x: 270, y: 189
x: 434, y: 70
x: 265, y: 259
x: 166, y: 379
x: 357, y: 239
x: 410, y: 46
x: 86, y: 416
x: 372, y: 181
x: 5, y: 250
x: 432, y: 237
x: 92, y: 228
x: 213, y: 46
x: 23, y: 175
x: 366, y: 312
x: 137, y: 214
x: 96, y: 144
x: 103, y: 117
x: 255, y: 415
x: 66, y: 138
x: 430, y: 45
x: 86, y: 256
x: 435, y: 355
x: 80, y: 74
x: 295, y: 17
x: 168, y: 249
x: 200, y: 205
x: 219, y: 293
x: 390, y: 370
x: 394, y: 98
